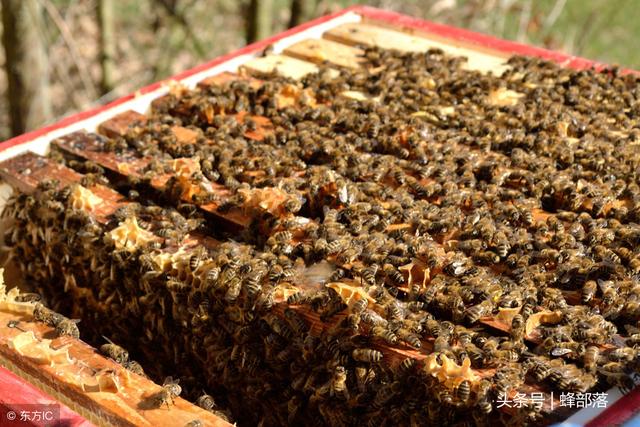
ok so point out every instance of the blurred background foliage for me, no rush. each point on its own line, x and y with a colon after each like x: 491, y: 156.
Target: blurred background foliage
x: 93, y: 51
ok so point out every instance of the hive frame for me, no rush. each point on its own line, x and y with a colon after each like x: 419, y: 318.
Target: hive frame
x: 620, y: 407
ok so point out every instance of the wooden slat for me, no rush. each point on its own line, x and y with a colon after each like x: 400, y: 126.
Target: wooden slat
x: 226, y: 77
x: 371, y: 35
x: 129, y: 406
x: 322, y: 50
x: 279, y: 64
x: 120, y: 123
x: 185, y: 135
x: 126, y: 164
x: 26, y: 171
x: 92, y: 147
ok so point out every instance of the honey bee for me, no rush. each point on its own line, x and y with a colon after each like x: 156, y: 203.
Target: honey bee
x: 621, y: 380
x: 590, y: 358
x: 471, y: 245
x: 623, y: 354
x: 283, y: 236
x: 114, y: 351
x: 359, y: 306
x: 46, y: 315
x: 170, y: 234
x: 486, y: 257
x: 299, y: 298
x: 135, y: 367
x: 339, y: 383
x: 634, y: 265
x: 589, y: 290
x: 297, y: 323
x: 517, y: 327
x: 393, y: 274
x: 506, y: 379
x: 335, y: 246
x: 410, y: 338
x: 463, y: 391
x: 477, y: 311
x: 633, y: 340
x: 68, y: 327
x: 394, y: 311
x: 170, y: 390
x: 539, y: 367
x: 211, y: 277
x: 206, y: 402
x: 177, y: 286
x: 195, y: 260
x: 234, y: 287
x: 366, y: 355
x: 252, y: 283
x: 435, y: 287
x: 369, y: 274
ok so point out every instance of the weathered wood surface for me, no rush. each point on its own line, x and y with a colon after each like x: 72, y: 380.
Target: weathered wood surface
x: 67, y: 377
x: 372, y: 35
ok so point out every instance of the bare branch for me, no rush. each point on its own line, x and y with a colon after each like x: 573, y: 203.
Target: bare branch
x: 80, y: 64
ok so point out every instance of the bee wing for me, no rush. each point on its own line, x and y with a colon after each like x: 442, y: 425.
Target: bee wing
x: 604, y: 284
x: 343, y: 194
x: 557, y: 352
x: 315, y: 275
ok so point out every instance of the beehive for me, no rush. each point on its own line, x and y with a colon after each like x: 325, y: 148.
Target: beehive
x: 258, y: 280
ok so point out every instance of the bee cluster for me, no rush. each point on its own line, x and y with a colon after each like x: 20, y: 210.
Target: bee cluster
x: 483, y: 227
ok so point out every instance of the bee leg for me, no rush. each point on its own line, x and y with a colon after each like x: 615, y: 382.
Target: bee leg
x: 15, y: 324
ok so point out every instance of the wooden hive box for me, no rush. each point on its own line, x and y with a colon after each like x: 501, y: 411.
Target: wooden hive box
x: 335, y: 41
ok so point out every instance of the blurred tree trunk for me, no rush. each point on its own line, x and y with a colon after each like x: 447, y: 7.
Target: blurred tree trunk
x: 107, y: 45
x: 259, y: 19
x: 25, y: 64
x: 301, y: 11
x: 171, y: 7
